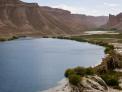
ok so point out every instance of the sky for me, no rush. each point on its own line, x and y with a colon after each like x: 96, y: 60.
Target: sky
x: 88, y: 7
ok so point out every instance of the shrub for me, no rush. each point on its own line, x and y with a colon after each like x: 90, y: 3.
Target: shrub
x: 109, y: 49
x: 80, y: 71
x: 12, y: 38
x: 110, y: 79
x: 69, y: 72
x: 74, y: 79
x: 89, y: 71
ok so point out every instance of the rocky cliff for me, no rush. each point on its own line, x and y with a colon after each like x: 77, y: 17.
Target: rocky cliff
x: 88, y: 84
x: 115, y: 21
x: 20, y: 18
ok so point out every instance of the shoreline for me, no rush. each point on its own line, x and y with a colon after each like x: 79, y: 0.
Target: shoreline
x: 64, y: 86
x: 13, y: 37
x: 109, y: 47
x: 71, y: 41
x: 10, y: 38
x: 61, y: 85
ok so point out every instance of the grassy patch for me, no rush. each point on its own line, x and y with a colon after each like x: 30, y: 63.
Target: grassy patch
x: 8, y: 38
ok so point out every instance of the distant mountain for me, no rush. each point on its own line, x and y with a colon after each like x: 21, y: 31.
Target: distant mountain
x: 76, y: 21
x: 115, y: 22
x: 20, y: 18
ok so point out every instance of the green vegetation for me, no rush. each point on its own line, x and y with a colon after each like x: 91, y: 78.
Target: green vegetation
x: 90, y: 71
x: 106, y: 69
x: 9, y: 38
x: 78, y: 39
x: 74, y: 79
x: 13, y: 38
x: 75, y: 75
x: 108, y: 47
x: 80, y: 71
x: 111, y: 79
x: 84, y: 71
x: 69, y: 72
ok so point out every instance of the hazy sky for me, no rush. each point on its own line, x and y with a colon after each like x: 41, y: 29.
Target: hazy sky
x: 89, y: 7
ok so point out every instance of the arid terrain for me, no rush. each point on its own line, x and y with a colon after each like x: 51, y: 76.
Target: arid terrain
x: 21, y: 18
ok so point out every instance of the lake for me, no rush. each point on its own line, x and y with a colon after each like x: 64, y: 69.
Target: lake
x: 30, y: 65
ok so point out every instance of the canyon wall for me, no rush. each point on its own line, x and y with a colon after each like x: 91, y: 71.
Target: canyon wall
x: 21, y: 18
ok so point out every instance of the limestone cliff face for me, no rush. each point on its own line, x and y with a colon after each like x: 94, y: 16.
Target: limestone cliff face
x: 20, y: 18
x: 115, y: 21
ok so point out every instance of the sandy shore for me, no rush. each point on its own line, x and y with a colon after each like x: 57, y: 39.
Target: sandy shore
x: 61, y: 87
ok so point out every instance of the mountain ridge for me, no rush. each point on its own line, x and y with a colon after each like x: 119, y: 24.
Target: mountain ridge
x: 21, y: 18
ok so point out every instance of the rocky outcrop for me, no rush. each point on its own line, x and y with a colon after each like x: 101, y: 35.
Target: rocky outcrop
x: 88, y: 84
x: 20, y: 18
x: 91, y: 84
x: 115, y: 22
